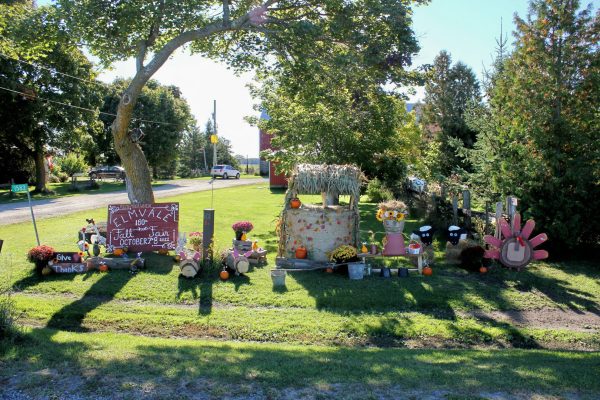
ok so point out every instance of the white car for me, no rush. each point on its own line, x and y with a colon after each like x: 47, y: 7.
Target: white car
x: 224, y: 171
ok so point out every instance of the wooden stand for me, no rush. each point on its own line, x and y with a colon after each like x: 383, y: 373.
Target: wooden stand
x: 418, y: 257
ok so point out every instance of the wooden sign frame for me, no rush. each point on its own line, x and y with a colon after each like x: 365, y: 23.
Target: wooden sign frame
x: 142, y: 227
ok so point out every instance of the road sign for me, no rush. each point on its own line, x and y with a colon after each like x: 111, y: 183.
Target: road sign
x: 19, y: 188
x: 23, y: 187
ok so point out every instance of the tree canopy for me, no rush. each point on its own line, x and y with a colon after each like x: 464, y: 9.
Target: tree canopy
x: 448, y: 92
x: 41, y: 108
x: 373, y: 34
x: 539, y: 131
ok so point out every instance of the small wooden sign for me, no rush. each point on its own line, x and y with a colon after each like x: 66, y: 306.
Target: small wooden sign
x: 69, y: 268
x: 143, y: 227
x: 67, y: 257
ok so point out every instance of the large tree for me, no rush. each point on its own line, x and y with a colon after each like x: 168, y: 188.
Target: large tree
x: 448, y: 92
x: 242, y: 33
x: 162, y: 114
x: 542, y: 121
x: 41, y: 108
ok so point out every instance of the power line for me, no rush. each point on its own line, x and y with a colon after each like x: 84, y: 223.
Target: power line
x: 29, y: 96
x: 54, y: 70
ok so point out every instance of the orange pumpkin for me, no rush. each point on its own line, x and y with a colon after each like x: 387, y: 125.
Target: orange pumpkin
x: 427, y: 271
x: 483, y: 269
x: 118, y: 252
x: 103, y: 268
x: 301, y: 252
x: 329, y: 270
x: 295, y: 202
x: 163, y: 252
x: 224, y: 275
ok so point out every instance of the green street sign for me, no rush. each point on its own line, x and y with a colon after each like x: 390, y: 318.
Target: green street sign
x: 19, y: 188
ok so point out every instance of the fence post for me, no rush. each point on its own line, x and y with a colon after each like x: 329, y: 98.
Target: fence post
x: 487, y: 218
x: 467, y: 208
x: 454, y: 210
x: 511, y: 208
x: 499, y: 206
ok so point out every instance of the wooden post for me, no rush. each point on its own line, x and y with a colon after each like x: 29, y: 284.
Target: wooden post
x: 208, y: 231
x: 455, y: 210
x: 487, y: 218
x: 499, y: 207
x: 511, y: 208
x: 467, y: 208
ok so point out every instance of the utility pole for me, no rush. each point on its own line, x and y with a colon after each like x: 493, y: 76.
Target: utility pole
x: 215, y: 130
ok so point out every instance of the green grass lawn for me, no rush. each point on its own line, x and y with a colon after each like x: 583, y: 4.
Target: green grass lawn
x: 111, y: 363
x: 328, y: 311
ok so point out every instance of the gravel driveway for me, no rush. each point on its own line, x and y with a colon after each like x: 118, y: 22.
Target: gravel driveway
x: 19, y: 212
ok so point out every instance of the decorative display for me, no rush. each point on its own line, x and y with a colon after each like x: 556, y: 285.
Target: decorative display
x: 344, y: 254
x: 425, y: 234
x: 455, y: 234
x: 241, y: 227
x: 301, y: 252
x: 393, y: 213
x: 40, y: 256
x: 515, y: 249
x: 68, y: 263
x: 320, y: 228
x: 195, y: 240
x: 143, y: 227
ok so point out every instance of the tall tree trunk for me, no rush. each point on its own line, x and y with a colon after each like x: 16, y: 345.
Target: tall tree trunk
x: 138, y: 180
x: 40, y: 170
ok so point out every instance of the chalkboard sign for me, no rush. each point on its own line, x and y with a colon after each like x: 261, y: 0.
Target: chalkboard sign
x: 67, y: 257
x: 142, y: 227
x: 69, y: 268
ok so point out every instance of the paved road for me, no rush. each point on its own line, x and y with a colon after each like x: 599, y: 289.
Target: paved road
x: 18, y: 212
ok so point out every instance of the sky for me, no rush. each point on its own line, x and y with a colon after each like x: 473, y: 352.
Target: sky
x: 468, y: 29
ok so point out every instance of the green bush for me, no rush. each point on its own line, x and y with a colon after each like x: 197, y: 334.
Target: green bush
x: 53, y: 178
x: 377, y: 192
x: 72, y: 164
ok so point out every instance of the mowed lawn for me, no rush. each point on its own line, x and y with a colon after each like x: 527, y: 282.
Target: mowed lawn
x: 320, y: 330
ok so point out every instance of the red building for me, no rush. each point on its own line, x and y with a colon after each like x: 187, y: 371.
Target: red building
x: 268, y: 167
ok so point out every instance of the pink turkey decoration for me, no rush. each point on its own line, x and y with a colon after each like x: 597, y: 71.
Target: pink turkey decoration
x: 516, y: 250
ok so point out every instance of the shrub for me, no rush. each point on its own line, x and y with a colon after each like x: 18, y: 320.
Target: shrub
x: 8, y: 316
x: 53, y: 178
x: 72, y: 164
x: 377, y: 192
x: 63, y: 177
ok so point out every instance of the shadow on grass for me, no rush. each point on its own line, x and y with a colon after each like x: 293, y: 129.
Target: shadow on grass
x: 71, y: 316
x: 149, y: 361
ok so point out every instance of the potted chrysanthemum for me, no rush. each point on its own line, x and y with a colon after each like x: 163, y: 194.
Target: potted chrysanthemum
x: 241, y: 227
x: 195, y: 240
x: 40, y: 256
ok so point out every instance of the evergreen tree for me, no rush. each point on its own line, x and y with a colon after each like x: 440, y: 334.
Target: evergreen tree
x: 448, y: 93
x: 543, y: 123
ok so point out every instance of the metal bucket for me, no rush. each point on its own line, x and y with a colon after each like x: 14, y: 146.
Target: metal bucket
x: 278, y: 277
x: 356, y: 270
x: 393, y: 226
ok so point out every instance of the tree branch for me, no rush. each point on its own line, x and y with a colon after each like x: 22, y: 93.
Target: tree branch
x: 226, y: 20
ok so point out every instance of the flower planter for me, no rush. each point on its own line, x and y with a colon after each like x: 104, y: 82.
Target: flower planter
x: 393, y: 226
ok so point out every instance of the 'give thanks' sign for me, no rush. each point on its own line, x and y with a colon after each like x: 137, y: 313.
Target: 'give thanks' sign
x: 143, y: 227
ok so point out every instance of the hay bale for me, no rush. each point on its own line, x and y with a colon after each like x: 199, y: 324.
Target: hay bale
x: 453, y: 252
